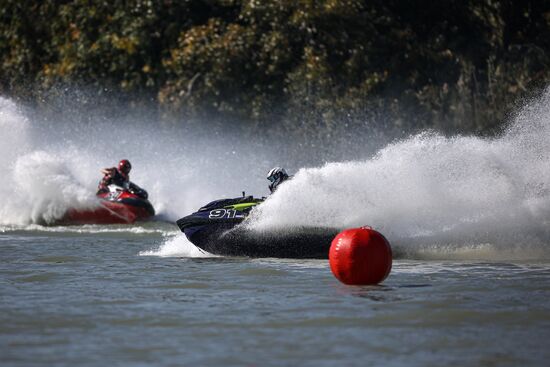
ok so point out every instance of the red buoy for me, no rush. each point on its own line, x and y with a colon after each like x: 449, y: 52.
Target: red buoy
x: 360, y: 256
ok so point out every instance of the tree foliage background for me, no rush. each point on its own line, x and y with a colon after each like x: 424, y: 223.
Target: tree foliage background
x: 308, y: 67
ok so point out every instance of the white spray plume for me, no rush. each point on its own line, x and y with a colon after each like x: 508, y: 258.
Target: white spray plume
x: 49, y: 166
x: 432, y: 190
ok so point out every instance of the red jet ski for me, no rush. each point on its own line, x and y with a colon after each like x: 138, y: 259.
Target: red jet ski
x: 118, y: 206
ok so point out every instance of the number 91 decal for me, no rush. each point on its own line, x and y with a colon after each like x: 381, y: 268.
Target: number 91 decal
x: 224, y: 213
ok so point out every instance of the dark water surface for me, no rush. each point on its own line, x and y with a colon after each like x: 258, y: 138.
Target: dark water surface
x: 90, y: 299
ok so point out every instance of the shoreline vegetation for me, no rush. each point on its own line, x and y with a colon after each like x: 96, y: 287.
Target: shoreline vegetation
x: 307, y: 68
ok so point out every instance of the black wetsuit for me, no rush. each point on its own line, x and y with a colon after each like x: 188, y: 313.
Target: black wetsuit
x: 115, y: 177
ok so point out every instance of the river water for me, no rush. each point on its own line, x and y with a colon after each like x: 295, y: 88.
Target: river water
x: 115, y: 295
x: 468, y: 219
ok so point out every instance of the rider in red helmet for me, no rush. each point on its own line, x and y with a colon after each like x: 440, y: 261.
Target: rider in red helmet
x: 119, y: 176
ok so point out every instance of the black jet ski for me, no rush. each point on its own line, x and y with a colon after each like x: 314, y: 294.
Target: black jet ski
x: 215, y: 228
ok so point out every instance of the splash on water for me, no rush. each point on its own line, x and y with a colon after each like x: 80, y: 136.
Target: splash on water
x: 433, y: 196
x: 93, y: 229
x: 177, y: 246
x: 50, y: 166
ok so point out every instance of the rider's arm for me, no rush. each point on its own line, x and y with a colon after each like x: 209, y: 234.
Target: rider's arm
x: 105, y: 180
x: 108, y: 171
x: 133, y: 186
x: 137, y: 190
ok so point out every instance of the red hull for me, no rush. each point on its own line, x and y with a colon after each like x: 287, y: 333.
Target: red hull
x: 118, y: 211
x: 107, y: 213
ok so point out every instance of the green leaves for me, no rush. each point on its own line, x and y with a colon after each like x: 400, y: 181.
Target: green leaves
x: 286, y: 62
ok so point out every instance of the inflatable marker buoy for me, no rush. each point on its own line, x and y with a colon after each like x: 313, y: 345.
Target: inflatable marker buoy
x: 360, y: 256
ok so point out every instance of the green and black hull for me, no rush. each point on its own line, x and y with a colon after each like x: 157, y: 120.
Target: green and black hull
x: 216, y: 229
